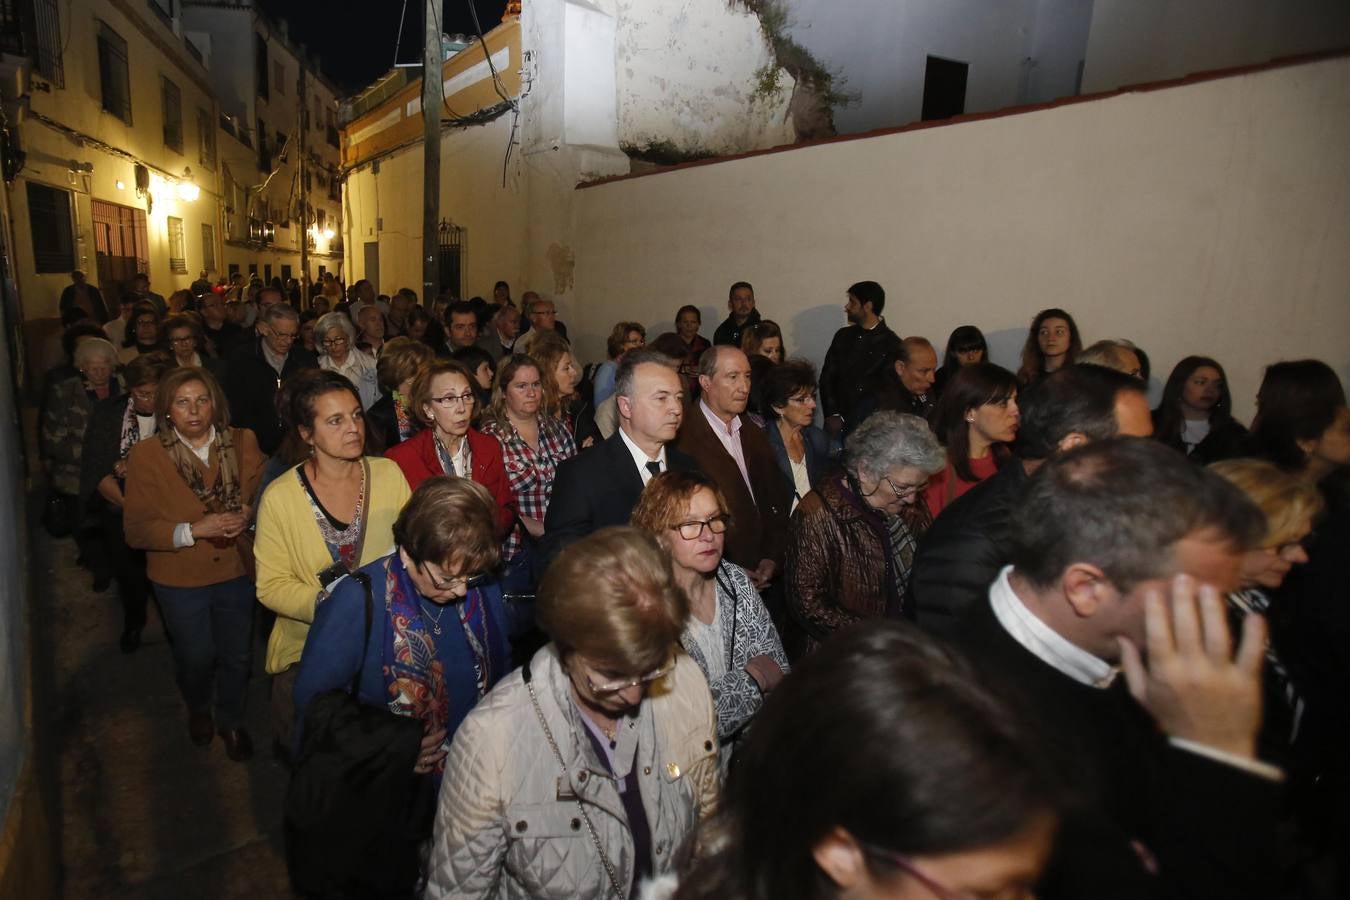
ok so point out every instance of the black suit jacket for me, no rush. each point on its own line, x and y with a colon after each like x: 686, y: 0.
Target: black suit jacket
x: 251, y: 386
x: 963, y: 550
x: 597, y: 488
x: 1129, y: 794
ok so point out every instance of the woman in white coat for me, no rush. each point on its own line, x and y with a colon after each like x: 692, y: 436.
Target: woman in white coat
x: 585, y: 772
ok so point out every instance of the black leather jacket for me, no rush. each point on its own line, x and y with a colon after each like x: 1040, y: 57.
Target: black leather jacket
x: 855, y: 370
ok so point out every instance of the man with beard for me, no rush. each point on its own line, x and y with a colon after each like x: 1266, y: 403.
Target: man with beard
x: 856, y: 363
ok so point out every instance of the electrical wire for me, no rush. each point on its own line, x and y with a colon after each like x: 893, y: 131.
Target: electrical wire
x: 399, y: 38
x: 500, y: 89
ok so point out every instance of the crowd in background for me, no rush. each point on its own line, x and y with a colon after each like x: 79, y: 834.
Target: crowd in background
x: 696, y: 620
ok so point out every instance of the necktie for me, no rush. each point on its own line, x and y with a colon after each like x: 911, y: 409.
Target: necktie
x: 654, y: 467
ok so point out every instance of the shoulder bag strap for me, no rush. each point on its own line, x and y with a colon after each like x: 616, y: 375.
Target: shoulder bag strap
x: 557, y: 754
x: 365, y: 518
x: 364, y: 580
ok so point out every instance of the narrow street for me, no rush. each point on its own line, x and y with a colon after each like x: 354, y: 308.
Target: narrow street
x: 144, y: 813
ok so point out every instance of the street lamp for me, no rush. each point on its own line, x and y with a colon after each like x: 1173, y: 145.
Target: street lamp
x: 187, y: 189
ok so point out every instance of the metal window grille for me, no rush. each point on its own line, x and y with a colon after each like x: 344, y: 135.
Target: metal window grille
x: 112, y: 73
x: 208, y: 248
x: 173, y: 115
x: 453, y: 243
x: 177, y: 251
x: 206, y: 139
x: 44, y: 32
x: 49, y: 217
x: 121, y: 244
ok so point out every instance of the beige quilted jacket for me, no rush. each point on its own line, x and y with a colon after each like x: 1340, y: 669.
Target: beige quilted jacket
x: 508, y: 823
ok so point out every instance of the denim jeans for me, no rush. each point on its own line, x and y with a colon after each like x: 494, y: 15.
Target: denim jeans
x: 211, y: 629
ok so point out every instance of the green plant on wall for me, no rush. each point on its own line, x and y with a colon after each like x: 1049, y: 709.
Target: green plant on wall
x: 790, y: 56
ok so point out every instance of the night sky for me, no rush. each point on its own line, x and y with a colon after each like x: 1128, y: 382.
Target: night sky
x: 354, y: 39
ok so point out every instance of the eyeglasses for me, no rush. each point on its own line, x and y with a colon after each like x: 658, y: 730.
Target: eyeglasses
x: 610, y: 688
x: 692, y: 531
x: 907, y: 492
x: 1289, y: 547
x: 468, y: 582
x: 936, y: 888
x: 182, y: 341
x: 144, y: 396
x: 454, y: 401
x: 284, y: 336
x: 334, y: 342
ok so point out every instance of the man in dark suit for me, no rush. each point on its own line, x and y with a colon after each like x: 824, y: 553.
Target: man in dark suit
x: 600, y: 486
x: 736, y: 454
x: 960, y: 555
x: 1121, y: 556
x: 257, y: 368
x: 855, y: 365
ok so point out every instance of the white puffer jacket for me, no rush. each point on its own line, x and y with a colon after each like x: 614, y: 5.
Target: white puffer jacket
x: 508, y: 824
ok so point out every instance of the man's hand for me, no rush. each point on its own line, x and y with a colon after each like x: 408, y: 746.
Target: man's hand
x: 1192, y: 685
x: 765, y: 672
x: 763, y: 573
x: 834, y: 425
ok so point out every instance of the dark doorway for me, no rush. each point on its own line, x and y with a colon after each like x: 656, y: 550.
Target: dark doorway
x: 944, y: 88
x: 121, y: 246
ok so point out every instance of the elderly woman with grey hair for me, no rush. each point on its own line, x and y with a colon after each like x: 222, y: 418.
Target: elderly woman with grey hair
x: 335, y: 339
x: 851, y: 541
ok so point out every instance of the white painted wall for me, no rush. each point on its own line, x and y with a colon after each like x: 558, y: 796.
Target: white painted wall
x: 1211, y: 218
x: 880, y: 48
x: 687, y: 73
x: 1133, y: 41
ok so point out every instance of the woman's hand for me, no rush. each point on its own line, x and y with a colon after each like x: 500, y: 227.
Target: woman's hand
x: 533, y: 526
x: 765, y: 672
x: 218, y: 525
x: 431, y: 752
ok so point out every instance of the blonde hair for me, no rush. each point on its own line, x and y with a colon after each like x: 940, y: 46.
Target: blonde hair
x: 548, y: 350
x: 612, y: 598
x: 1288, y: 499
x: 400, y: 359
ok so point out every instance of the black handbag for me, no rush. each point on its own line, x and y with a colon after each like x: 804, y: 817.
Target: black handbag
x: 60, y: 513
x: 355, y: 812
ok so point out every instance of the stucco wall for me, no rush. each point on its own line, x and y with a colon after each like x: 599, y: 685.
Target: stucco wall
x: 880, y: 48
x: 1209, y: 218
x: 687, y: 72
x: 1133, y: 41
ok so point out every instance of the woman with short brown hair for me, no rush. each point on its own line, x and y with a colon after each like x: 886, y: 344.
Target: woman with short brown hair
x: 600, y: 751
x: 392, y: 416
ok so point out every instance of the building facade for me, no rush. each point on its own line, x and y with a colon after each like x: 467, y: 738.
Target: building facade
x: 279, y: 174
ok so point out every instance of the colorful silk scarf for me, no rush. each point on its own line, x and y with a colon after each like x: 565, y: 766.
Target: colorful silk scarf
x: 223, y: 495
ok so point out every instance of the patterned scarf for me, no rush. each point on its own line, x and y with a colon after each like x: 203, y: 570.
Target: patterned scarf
x: 413, y: 676
x: 223, y: 495
x: 131, y: 431
x: 406, y: 426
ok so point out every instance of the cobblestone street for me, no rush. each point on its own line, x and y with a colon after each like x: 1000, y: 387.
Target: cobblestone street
x: 144, y: 813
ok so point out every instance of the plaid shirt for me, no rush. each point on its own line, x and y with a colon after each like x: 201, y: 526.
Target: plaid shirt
x: 530, y: 474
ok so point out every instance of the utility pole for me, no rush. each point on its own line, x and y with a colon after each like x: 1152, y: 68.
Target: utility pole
x: 431, y: 152
x: 304, y: 192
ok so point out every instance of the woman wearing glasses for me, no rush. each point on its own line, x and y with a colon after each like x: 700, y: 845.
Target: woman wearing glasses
x: 437, y: 640
x: 729, y: 632
x: 335, y: 338
x: 443, y: 397
x: 586, y: 771
x: 914, y: 782
x: 851, y: 542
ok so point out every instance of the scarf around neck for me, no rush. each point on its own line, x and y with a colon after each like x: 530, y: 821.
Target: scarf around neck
x: 223, y: 495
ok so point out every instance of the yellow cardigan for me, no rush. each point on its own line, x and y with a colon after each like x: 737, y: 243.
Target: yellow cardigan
x: 290, y: 552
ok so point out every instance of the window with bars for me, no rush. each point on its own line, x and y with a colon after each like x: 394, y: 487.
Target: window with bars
x: 49, y: 218
x: 177, y: 252
x: 48, y: 58
x: 206, y: 139
x: 208, y: 248
x: 173, y: 115
x: 114, y: 80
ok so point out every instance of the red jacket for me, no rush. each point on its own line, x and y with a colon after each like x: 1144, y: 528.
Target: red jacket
x: 417, y: 458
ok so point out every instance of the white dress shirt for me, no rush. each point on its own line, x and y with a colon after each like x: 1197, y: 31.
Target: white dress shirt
x: 640, y: 457
x: 1057, y: 651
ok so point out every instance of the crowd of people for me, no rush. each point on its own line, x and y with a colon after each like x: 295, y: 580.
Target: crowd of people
x: 696, y: 620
